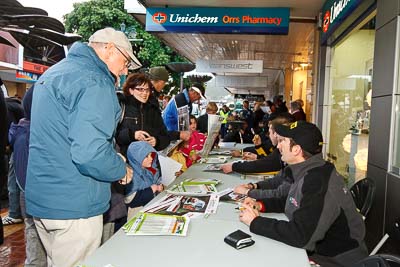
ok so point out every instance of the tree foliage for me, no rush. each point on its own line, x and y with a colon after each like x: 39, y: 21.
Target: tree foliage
x: 88, y: 17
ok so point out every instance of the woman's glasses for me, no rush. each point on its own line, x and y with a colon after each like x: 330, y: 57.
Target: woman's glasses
x: 143, y: 89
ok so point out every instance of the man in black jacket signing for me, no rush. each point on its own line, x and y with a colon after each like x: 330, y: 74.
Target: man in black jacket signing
x: 323, y: 218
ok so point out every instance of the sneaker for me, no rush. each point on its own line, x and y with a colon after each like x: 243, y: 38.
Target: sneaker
x: 9, y: 220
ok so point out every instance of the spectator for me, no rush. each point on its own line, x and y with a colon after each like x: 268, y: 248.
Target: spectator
x: 196, y: 142
x: 146, y: 167
x: 166, y: 99
x: 15, y: 112
x: 280, y: 105
x: 142, y: 120
x: 19, y: 140
x: 297, y: 111
x: 176, y: 114
x: 246, y: 114
x: 258, y: 117
x: 202, y: 122
x: 239, y: 133
x: 3, y: 141
x: 72, y: 160
x: 159, y: 78
x: 224, y: 113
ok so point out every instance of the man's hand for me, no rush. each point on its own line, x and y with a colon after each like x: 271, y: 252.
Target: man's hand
x: 184, y: 135
x: 242, y: 189
x: 227, y: 167
x: 128, y: 176
x: 249, y: 156
x: 252, y: 203
x: 248, y: 214
x: 236, y: 153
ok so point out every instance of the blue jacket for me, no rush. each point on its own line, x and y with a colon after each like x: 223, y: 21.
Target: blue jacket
x: 142, y: 177
x: 72, y: 159
x: 18, y: 137
x: 170, y: 114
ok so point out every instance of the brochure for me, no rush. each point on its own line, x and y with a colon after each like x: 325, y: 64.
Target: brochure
x: 180, y: 205
x: 213, y: 167
x: 157, y: 224
x: 232, y: 197
x: 220, y: 152
x: 219, y: 160
x: 199, y: 187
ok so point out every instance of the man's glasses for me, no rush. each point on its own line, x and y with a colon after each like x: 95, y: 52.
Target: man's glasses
x: 128, y: 63
x: 143, y: 89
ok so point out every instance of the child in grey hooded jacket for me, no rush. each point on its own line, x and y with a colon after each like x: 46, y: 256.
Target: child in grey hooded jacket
x: 146, y: 180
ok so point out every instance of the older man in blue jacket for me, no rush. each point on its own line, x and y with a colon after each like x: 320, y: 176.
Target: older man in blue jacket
x: 72, y: 160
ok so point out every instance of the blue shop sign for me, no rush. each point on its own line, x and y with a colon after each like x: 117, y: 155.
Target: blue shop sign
x: 25, y: 76
x: 334, y: 12
x: 218, y: 20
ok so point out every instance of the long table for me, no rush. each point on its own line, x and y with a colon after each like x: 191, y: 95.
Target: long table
x: 204, y: 244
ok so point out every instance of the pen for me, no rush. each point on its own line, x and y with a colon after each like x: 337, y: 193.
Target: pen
x: 242, y: 208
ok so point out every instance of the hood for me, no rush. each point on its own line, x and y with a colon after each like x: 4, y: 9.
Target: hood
x: 82, y: 50
x: 27, y: 102
x: 17, y: 129
x: 142, y: 177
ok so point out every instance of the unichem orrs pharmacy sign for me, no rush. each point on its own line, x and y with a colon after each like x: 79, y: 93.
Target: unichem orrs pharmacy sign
x: 218, y: 20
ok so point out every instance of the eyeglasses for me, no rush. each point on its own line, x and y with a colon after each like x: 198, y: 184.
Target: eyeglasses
x: 128, y: 63
x: 143, y: 89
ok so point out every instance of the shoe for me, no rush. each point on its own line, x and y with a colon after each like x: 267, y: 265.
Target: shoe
x: 9, y: 220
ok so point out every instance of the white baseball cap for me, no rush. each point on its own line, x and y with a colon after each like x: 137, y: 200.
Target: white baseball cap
x: 110, y: 35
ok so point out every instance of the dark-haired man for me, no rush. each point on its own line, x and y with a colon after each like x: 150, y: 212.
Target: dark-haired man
x: 323, y: 218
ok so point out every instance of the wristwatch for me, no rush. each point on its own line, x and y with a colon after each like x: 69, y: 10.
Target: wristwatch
x: 251, y: 185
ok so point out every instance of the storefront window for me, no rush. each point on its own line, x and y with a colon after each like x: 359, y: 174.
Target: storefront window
x: 396, y: 147
x: 351, y: 88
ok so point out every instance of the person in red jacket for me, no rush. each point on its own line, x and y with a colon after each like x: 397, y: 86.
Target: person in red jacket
x: 196, y: 142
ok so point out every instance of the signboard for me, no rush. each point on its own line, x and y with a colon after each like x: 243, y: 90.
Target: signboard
x: 218, y: 20
x: 9, y: 54
x: 251, y: 98
x: 35, y: 68
x: 334, y: 12
x: 237, y: 66
x: 26, y: 76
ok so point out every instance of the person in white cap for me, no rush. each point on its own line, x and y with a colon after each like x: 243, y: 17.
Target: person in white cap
x: 72, y: 160
x: 176, y: 114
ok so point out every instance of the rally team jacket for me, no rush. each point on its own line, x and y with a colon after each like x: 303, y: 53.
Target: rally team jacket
x: 322, y: 215
x: 270, y: 163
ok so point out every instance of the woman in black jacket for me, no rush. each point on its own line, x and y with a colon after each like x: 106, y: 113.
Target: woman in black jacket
x: 142, y: 121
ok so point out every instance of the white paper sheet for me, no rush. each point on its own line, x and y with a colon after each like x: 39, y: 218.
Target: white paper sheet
x: 168, y: 169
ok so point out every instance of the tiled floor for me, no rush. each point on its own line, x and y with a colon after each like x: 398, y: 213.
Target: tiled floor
x: 12, y: 252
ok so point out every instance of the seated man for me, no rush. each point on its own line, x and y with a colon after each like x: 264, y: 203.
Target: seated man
x: 323, y: 218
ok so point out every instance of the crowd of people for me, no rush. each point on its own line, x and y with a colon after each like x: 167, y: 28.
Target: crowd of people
x: 85, y: 159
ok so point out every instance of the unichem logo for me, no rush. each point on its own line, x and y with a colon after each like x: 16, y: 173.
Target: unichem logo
x: 333, y: 13
x: 192, y: 19
x: 159, y: 17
